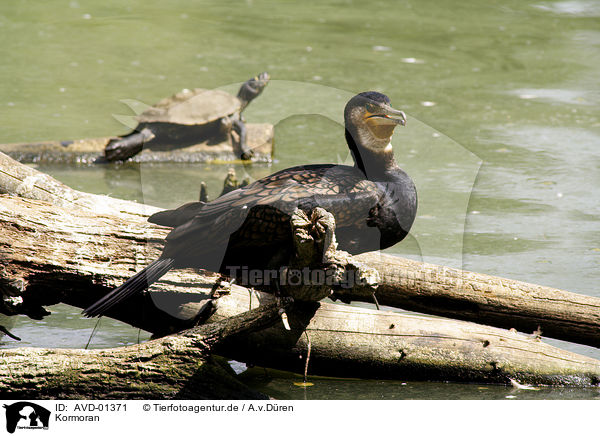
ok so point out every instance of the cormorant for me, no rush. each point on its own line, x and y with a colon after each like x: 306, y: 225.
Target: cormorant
x: 374, y: 204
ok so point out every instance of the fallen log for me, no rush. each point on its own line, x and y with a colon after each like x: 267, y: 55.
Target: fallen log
x: 93, y: 251
x: 354, y: 342
x: 345, y: 340
x: 404, y: 283
x: 496, y: 301
x: 175, y: 367
x: 259, y: 140
x: 25, y: 182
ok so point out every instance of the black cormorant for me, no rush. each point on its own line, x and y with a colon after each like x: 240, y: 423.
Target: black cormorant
x: 374, y: 204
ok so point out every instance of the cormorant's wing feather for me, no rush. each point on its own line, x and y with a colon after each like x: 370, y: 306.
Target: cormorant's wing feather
x: 342, y: 190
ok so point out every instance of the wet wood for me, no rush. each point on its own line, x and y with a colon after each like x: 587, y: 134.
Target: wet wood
x: 259, y: 139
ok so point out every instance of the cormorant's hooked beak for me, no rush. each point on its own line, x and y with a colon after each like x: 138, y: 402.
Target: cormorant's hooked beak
x: 387, y: 115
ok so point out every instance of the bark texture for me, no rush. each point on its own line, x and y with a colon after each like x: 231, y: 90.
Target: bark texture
x: 496, y: 301
x: 356, y: 342
x: 177, y: 366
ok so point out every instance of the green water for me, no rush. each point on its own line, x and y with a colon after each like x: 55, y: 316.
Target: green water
x: 503, y: 138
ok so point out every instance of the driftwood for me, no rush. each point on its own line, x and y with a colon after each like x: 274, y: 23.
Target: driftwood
x: 354, y: 342
x: 177, y: 366
x: 497, y: 301
x: 71, y: 251
x: 22, y: 181
x: 404, y: 283
x: 345, y: 340
x: 259, y: 139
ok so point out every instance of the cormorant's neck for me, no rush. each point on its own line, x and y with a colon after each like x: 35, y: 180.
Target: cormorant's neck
x: 373, y: 164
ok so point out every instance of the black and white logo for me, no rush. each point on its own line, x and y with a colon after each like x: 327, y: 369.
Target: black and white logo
x: 26, y: 415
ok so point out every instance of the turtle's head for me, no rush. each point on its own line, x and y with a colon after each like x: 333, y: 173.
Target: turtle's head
x: 252, y: 88
x: 371, y: 120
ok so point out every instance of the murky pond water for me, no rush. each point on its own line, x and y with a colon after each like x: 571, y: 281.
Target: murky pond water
x: 503, y: 138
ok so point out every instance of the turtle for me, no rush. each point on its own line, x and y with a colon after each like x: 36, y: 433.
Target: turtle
x: 189, y: 117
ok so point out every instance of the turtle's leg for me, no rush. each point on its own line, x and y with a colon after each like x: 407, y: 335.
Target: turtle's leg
x: 240, y: 147
x: 128, y: 146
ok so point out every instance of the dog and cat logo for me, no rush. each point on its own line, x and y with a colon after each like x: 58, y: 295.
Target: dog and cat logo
x: 26, y: 415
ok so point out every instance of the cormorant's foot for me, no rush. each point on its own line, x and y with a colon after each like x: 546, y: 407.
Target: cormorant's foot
x: 277, y: 292
x: 324, y: 232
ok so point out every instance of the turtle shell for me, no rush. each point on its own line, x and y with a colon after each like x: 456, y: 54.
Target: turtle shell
x: 192, y: 107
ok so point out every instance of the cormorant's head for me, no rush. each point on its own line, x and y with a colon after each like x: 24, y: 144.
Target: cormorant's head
x: 371, y: 120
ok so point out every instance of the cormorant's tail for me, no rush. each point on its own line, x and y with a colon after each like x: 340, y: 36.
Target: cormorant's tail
x: 132, y: 286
